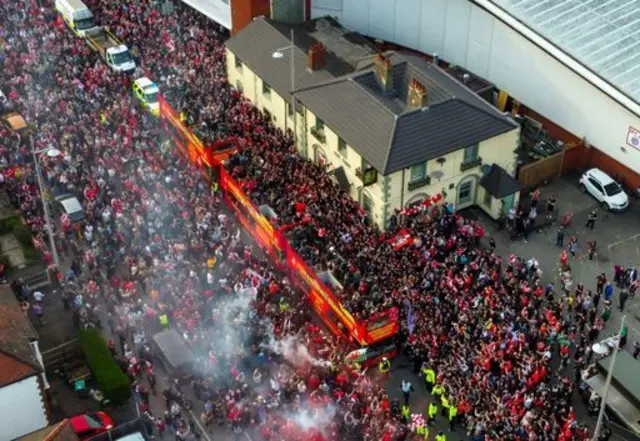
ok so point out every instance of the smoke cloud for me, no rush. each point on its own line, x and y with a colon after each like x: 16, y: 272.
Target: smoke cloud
x: 294, y: 351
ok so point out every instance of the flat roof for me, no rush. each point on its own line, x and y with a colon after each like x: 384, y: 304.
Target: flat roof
x: 625, y: 375
x: 602, y: 35
x: 217, y: 10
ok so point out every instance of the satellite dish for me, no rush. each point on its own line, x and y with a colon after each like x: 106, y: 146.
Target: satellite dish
x: 485, y: 169
x: 437, y: 174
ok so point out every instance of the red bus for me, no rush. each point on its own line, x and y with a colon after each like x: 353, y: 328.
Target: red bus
x: 374, y: 332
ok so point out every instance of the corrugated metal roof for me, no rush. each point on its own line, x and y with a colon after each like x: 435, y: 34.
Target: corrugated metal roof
x: 603, y: 35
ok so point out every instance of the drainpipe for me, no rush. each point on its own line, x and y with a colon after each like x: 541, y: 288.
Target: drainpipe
x: 402, y: 190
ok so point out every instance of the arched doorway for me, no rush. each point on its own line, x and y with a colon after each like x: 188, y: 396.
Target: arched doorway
x: 416, y: 199
x: 466, y: 192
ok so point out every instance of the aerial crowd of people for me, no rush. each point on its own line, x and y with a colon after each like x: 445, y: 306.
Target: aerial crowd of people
x: 158, y: 249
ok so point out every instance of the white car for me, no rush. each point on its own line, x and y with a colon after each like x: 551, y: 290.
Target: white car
x: 606, y: 191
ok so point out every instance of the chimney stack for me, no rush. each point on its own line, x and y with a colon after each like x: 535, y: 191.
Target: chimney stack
x: 416, y: 96
x: 383, y: 73
x: 316, y: 57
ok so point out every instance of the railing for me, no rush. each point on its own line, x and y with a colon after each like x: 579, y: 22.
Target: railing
x: 471, y: 164
x: 318, y: 134
x: 423, y: 182
x: 369, y: 177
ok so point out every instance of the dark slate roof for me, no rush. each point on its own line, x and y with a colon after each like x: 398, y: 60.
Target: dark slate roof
x: 499, y: 183
x: 391, y: 138
x: 347, y: 96
x: 258, y: 41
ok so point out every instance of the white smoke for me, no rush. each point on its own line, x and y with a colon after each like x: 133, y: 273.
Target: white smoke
x: 314, y: 419
x: 292, y: 349
x: 230, y: 331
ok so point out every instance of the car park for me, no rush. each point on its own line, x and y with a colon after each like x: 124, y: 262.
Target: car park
x: 604, y: 189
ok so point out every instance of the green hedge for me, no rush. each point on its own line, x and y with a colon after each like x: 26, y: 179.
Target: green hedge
x: 113, y: 382
x: 8, y: 224
x: 23, y: 234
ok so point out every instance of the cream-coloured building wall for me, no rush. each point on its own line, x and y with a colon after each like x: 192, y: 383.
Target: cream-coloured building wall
x: 350, y: 160
x: 244, y: 79
x: 498, y: 150
x: 389, y: 192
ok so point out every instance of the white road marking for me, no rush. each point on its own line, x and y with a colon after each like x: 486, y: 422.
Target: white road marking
x: 615, y: 244
x: 197, y: 421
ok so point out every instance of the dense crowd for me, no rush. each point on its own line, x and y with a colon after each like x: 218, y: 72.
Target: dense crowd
x: 157, y: 248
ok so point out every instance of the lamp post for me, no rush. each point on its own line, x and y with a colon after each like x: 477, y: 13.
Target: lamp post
x: 278, y: 54
x: 45, y: 205
x: 607, y: 383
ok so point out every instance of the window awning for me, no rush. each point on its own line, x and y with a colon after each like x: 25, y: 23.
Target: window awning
x: 499, y: 183
x: 340, y: 177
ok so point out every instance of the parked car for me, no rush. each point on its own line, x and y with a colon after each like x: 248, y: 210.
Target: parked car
x: 68, y: 205
x: 606, y: 191
x: 91, y: 424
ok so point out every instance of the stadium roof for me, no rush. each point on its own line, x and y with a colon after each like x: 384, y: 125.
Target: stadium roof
x: 602, y: 35
x: 217, y: 10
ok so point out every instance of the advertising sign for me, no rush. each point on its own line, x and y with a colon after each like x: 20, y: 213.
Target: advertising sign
x: 633, y: 138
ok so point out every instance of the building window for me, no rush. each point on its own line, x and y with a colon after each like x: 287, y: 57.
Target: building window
x: 238, y: 62
x: 418, y: 172
x: 470, y: 154
x: 318, y: 131
x: 239, y: 86
x: 289, y: 109
x: 267, y: 115
x: 487, y: 199
x: 266, y: 90
x: 342, y: 147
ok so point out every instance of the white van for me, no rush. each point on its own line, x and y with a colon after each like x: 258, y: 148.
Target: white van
x: 77, y: 16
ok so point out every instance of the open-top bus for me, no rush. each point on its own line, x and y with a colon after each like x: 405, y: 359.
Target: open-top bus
x: 374, y: 336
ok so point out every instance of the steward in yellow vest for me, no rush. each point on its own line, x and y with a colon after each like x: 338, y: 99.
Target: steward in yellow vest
x: 432, y: 412
x: 453, y: 413
x: 406, y: 413
x: 384, y: 366
x: 437, y: 390
x: 423, y: 432
x: 441, y: 437
x: 164, y: 321
x: 445, y: 404
x: 430, y: 376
